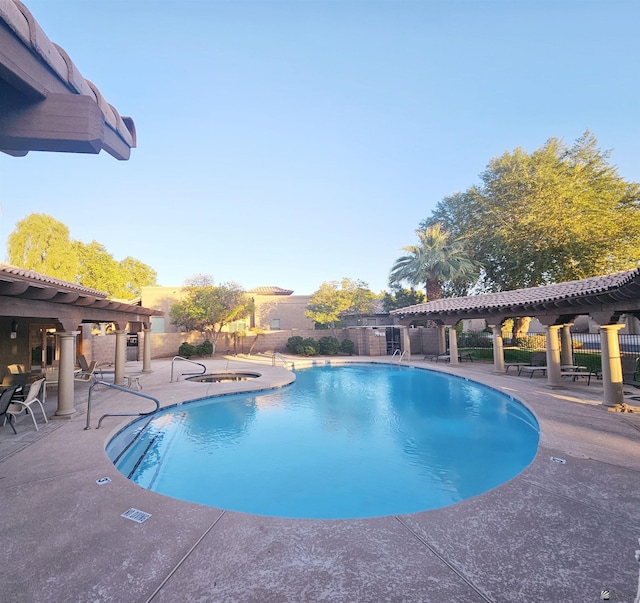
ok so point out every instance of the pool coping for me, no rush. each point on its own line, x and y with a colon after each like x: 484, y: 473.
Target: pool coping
x: 557, y: 531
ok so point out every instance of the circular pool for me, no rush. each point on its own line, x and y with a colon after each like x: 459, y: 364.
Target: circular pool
x: 222, y: 377
x: 353, y: 441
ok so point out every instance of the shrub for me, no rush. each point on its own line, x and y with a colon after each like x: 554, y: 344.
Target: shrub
x: 205, y: 348
x: 307, y: 347
x: 473, y: 339
x: 293, y: 343
x: 531, y: 342
x: 186, y: 350
x: 347, y: 347
x: 328, y: 346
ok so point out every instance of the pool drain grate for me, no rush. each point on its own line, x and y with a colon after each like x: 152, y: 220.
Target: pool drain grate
x: 136, y: 515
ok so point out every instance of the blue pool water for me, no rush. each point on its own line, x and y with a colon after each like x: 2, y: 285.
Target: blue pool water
x: 351, y: 441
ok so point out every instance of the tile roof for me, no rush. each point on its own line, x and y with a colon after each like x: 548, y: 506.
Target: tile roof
x: 270, y: 291
x: 597, y: 289
x: 7, y: 271
x: 21, y: 23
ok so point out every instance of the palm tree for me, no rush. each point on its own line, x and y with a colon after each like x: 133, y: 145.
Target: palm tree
x: 436, y: 260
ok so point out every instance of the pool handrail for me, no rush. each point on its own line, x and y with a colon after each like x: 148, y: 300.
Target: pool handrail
x: 118, y: 414
x: 202, y: 372
x: 401, y: 355
x: 279, y: 356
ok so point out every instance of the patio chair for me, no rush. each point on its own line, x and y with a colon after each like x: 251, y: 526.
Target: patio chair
x: 82, y: 362
x: 5, y: 401
x: 17, y: 379
x: 17, y: 406
x: 88, y: 374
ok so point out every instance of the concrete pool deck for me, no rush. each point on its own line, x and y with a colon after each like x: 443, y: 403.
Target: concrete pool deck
x: 556, y: 532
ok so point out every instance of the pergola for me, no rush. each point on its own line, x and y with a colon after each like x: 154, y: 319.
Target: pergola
x: 45, y: 103
x: 29, y: 297
x: 604, y: 298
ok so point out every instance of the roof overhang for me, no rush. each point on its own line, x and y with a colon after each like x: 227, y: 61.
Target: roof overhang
x: 611, y: 294
x: 30, y: 294
x: 46, y: 103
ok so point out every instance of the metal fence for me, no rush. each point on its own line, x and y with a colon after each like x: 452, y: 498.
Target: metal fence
x: 586, y: 349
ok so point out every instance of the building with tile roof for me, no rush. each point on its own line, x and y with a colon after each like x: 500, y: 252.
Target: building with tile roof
x: 605, y: 299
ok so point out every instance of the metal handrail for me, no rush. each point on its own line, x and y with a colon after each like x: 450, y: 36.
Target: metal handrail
x: 204, y: 368
x: 280, y: 357
x: 118, y: 414
x: 398, y: 352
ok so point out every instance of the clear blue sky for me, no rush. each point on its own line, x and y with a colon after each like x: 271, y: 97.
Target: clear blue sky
x: 292, y: 143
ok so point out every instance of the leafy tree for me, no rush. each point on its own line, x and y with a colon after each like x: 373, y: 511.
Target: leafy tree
x: 401, y: 298
x: 436, y: 260
x: 207, y: 308
x: 560, y: 213
x: 334, y: 300
x: 98, y: 270
x: 136, y: 275
x: 41, y: 243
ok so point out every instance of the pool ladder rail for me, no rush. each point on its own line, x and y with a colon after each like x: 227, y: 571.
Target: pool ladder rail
x: 281, y: 358
x: 118, y: 414
x: 398, y: 353
x: 201, y: 372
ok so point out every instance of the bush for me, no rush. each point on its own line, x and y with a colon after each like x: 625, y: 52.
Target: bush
x: 293, y: 343
x: 531, y: 342
x: 307, y: 347
x: 186, y: 350
x: 347, y: 347
x: 205, y: 348
x: 474, y: 339
x: 328, y: 346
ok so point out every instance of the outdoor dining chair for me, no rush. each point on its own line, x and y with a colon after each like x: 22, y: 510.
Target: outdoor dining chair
x: 17, y: 406
x: 5, y: 401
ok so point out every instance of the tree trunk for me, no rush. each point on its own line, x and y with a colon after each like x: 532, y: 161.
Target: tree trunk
x: 521, y: 326
x: 433, y: 290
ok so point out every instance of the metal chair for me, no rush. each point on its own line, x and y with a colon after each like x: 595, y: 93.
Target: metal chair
x: 5, y: 401
x: 17, y: 406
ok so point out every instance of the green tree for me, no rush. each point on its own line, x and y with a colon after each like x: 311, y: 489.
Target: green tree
x: 136, y: 275
x: 41, y: 243
x: 207, y: 308
x: 333, y: 300
x: 436, y: 260
x: 560, y: 213
x: 98, y: 270
x: 401, y: 298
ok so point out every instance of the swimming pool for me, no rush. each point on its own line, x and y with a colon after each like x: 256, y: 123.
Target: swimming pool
x: 343, y: 442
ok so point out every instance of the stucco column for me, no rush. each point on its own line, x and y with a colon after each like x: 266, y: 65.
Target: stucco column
x: 146, y: 351
x: 66, y: 389
x: 554, y: 379
x: 121, y: 356
x: 453, y: 345
x: 566, y: 353
x: 442, y: 340
x: 498, y: 349
x: 611, y: 365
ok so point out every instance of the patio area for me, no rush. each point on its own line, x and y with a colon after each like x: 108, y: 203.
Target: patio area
x: 559, y: 531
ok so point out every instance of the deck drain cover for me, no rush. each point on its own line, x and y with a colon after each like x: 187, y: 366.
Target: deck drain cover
x: 136, y: 515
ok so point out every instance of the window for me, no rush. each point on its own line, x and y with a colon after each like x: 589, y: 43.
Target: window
x: 274, y: 324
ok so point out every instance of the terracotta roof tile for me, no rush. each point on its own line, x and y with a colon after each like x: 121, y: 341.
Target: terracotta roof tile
x: 36, y: 277
x: 270, y: 291
x: 571, y: 290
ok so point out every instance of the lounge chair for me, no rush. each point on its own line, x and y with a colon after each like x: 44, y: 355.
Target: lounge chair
x: 17, y: 406
x: 87, y: 374
x: 537, y: 363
